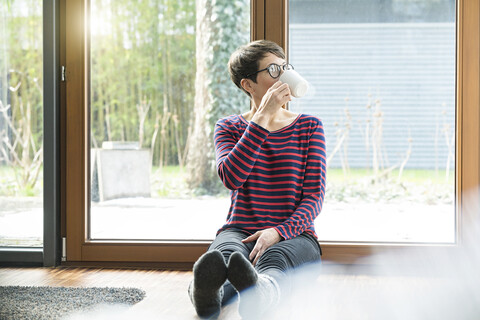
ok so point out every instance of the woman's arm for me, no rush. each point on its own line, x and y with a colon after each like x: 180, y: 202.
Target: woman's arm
x: 313, y: 188
x: 235, y: 159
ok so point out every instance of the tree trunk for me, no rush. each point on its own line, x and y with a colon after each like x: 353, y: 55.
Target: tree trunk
x: 222, y: 26
x: 199, y: 164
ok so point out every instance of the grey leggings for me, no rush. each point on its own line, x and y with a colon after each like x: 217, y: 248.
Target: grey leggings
x: 275, y: 261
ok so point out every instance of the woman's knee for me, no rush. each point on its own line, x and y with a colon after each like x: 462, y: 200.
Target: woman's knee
x: 230, y: 241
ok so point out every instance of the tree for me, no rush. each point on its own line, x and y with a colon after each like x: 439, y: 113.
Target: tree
x: 143, y: 74
x: 222, y: 26
x: 21, y: 94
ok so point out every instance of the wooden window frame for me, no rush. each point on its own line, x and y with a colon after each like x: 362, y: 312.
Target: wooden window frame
x: 269, y: 21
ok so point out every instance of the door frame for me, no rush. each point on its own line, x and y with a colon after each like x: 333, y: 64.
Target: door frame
x: 50, y: 254
x: 270, y: 21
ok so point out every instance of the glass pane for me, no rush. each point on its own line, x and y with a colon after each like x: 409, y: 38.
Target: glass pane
x: 21, y: 124
x: 159, y: 82
x: 382, y: 78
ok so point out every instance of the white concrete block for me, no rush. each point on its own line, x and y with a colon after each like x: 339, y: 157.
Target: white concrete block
x: 120, y: 173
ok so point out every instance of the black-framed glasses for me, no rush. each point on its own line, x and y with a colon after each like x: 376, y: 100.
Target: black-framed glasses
x: 274, y: 70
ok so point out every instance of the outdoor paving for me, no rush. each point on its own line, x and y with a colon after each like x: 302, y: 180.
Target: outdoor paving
x: 199, y: 219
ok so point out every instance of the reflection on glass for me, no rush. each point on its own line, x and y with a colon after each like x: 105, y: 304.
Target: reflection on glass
x: 382, y: 78
x: 159, y: 82
x: 21, y: 124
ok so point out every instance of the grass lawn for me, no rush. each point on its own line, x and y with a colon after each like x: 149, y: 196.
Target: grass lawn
x: 425, y: 186
x: 170, y: 182
x: 10, y: 187
x: 417, y: 176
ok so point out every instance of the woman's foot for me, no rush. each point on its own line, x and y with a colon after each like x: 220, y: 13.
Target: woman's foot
x: 206, y: 291
x: 258, y: 292
x: 240, y: 272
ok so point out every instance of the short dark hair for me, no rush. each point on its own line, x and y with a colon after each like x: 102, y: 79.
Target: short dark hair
x: 245, y: 60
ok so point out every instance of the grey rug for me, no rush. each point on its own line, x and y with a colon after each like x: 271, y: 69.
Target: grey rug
x: 57, y: 302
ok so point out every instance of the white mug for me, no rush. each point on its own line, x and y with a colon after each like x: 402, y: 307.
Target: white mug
x: 298, y: 85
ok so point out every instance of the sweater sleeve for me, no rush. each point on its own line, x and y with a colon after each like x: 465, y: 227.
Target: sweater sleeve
x: 236, y: 159
x: 313, y: 188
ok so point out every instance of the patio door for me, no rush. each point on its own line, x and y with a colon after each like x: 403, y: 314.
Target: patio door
x: 146, y: 82
x: 139, y: 181
x: 21, y: 131
x: 383, y: 82
x: 29, y: 126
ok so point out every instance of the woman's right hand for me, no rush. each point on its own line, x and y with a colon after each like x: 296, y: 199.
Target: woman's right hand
x: 275, y: 97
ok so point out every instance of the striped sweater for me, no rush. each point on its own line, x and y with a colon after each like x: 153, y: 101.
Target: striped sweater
x: 277, y: 178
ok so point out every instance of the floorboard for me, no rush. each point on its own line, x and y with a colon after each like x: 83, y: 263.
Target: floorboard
x: 335, y: 293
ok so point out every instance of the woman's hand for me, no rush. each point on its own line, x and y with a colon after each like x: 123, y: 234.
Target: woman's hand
x: 275, y: 97
x: 265, y: 239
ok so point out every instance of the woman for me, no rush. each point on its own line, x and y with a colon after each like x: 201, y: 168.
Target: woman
x: 273, y: 161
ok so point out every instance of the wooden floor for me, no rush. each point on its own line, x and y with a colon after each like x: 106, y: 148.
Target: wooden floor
x: 167, y: 298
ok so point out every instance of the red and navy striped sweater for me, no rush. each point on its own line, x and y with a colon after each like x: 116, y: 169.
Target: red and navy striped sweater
x: 277, y: 178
